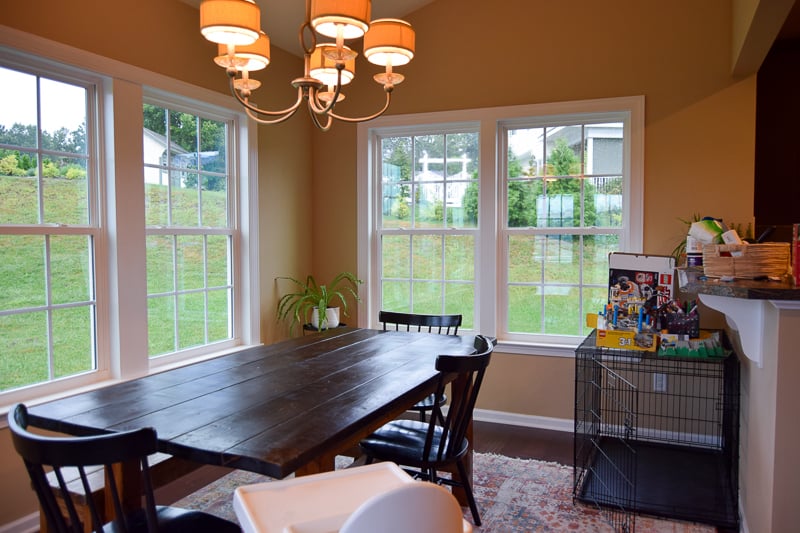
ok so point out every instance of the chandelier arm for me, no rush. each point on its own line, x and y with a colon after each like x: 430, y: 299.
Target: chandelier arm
x: 364, y: 119
x: 266, y: 122
x: 319, y: 108
x: 315, y: 119
x: 255, y: 109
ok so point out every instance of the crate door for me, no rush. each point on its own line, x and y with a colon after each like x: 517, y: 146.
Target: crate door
x: 609, y: 481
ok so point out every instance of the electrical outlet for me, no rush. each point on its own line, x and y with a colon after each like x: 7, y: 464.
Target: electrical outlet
x: 659, y: 382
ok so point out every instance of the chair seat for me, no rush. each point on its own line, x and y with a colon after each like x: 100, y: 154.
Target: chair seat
x: 402, y: 442
x: 427, y: 403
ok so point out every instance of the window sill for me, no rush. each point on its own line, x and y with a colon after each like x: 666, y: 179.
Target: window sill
x: 532, y: 348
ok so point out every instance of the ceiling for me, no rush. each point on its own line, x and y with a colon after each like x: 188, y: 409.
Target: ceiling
x: 281, y: 19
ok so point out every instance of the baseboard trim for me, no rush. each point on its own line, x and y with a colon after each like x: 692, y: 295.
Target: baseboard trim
x: 26, y: 524
x: 516, y: 419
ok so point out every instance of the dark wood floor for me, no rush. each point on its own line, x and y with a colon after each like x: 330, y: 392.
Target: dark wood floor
x: 524, y: 442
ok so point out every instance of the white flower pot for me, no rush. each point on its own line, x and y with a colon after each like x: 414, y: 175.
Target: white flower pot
x: 331, y: 317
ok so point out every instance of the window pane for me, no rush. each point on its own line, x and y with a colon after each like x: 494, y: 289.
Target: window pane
x: 561, y: 311
x: 521, y: 197
x: 22, y: 266
x: 73, y: 350
x: 156, y: 203
x: 459, y: 257
x: 427, y: 297
x: 604, y: 202
x: 396, y: 256
x: 427, y: 257
x: 18, y: 109
x: 63, y: 108
x: 562, y: 259
x: 19, y: 187
x: 525, y: 257
x: 461, y: 173
x: 459, y: 299
x: 429, y: 205
x: 190, y: 263
x: 595, y: 257
x: 604, y: 148
x: 219, y: 316
x: 23, y: 343
x: 563, y: 150
x: 160, y: 271
x: 560, y: 205
x: 160, y: 325
x: 215, y: 202
x: 71, y: 268
x: 396, y: 296
x: 184, y: 199
x: 218, y: 260
x: 525, y: 152
x: 396, y: 182
x: 524, y: 309
x: 191, y: 320
x: 65, y: 190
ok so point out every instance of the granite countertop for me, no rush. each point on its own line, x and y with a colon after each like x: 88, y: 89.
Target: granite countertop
x: 691, y: 280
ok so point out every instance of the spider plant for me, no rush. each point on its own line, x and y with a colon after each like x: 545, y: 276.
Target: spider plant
x: 297, y: 306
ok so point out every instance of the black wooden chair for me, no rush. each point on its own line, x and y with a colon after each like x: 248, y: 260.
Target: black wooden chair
x: 426, y: 448
x: 80, y: 453
x: 441, y: 324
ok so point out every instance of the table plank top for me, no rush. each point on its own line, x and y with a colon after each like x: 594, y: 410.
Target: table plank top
x: 268, y: 409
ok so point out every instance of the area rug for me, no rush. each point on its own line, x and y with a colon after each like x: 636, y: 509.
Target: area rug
x: 513, y: 496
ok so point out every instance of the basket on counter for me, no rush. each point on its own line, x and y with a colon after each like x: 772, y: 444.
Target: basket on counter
x: 746, y: 260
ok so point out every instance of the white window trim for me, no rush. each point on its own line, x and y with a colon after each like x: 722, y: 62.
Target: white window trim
x: 491, y: 122
x: 127, y: 357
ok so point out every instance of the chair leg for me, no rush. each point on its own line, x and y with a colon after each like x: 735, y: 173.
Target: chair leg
x: 468, y: 490
x: 422, y: 415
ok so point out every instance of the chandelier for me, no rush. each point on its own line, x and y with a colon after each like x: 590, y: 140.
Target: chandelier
x: 235, y: 25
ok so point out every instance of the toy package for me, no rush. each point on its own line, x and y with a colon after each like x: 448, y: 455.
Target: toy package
x: 639, y: 287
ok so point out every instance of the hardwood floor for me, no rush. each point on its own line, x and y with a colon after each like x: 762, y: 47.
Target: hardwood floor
x: 524, y: 442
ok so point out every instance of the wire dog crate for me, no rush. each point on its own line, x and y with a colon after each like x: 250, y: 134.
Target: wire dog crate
x: 656, y: 435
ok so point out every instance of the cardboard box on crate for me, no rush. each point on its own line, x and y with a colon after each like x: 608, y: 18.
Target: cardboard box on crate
x: 638, y: 285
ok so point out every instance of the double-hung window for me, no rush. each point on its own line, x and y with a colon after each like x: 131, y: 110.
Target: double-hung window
x: 49, y: 225
x: 505, y: 215
x: 427, y: 225
x: 190, y: 230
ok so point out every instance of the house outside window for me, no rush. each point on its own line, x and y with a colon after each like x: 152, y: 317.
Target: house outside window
x: 505, y: 215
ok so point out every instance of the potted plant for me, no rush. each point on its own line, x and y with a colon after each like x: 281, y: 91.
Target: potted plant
x: 318, y: 304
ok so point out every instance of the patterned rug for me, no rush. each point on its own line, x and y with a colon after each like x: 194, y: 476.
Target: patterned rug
x: 513, y: 496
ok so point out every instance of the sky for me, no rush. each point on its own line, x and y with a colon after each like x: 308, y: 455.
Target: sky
x: 63, y: 105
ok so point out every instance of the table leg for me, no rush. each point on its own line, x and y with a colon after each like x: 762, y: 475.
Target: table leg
x: 324, y: 463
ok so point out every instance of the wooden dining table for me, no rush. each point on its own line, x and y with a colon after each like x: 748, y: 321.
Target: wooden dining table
x: 275, y: 409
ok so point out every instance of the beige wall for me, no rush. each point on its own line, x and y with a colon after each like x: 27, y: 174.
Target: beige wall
x: 699, y: 128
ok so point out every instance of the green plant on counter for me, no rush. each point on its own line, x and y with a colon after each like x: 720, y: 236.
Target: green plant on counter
x: 298, y: 305
x: 680, y: 249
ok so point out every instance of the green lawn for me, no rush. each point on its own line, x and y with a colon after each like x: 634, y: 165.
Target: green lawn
x: 27, y: 338
x: 543, y: 295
